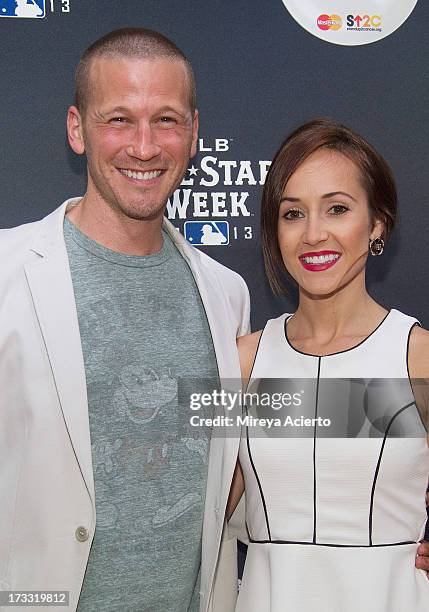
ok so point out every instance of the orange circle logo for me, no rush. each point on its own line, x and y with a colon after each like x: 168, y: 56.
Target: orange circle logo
x: 329, y: 22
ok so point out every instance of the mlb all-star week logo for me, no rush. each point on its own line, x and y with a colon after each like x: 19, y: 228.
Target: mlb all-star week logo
x: 216, y: 200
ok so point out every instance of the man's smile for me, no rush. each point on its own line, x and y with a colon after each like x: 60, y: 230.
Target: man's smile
x: 139, y: 175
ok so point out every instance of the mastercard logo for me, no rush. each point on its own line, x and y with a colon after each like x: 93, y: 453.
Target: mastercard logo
x: 329, y: 22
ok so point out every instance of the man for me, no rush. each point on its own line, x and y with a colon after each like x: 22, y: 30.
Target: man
x: 108, y: 321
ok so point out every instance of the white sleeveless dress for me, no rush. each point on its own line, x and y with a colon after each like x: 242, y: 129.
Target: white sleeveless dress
x: 334, y: 516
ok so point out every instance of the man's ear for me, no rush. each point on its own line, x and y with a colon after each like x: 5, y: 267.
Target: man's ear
x: 195, y: 125
x: 75, y: 130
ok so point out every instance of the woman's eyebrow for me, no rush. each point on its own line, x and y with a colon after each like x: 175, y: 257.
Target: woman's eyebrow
x: 334, y: 193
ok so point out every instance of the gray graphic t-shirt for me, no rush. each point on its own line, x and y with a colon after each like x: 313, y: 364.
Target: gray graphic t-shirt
x: 146, y: 346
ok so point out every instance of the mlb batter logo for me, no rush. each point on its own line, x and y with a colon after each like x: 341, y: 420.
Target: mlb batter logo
x: 34, y: 9
x: 207, y: 233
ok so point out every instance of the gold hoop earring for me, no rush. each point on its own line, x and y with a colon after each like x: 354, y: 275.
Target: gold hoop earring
x: 376, y: 246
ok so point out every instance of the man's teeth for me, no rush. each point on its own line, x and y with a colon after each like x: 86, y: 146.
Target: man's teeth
x: 141, y: 176
x: 320, y: 259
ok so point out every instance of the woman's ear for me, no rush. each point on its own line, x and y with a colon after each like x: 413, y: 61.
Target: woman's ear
x: 378, y: 228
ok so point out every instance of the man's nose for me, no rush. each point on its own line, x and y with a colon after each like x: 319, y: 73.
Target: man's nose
x: 144, y: 144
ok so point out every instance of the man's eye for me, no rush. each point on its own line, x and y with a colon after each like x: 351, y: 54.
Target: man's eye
x: 167, y: 120
x: 117, y: 120
x: 338, y: 209
x: 293, y: 214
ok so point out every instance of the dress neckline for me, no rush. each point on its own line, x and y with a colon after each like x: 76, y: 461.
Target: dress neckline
x: 352, y: 348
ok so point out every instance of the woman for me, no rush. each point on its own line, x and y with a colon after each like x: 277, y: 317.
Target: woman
x: 334, y: 509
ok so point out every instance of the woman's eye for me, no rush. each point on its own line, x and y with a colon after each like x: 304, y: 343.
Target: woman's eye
x: 338, y: 209
x: 293, y: 214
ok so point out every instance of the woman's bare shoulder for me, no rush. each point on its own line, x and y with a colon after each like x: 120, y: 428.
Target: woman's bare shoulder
x: 418, y: 354
x: 247, y: 347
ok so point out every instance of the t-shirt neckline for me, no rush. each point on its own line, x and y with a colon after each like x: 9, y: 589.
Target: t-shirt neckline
x: 122, y: 259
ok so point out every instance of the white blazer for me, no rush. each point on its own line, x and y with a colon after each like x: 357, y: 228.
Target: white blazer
x: 47, y: 506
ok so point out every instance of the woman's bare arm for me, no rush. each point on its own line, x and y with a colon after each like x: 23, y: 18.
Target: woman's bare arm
x: 236, y: 491
x: 418, y: 365
x: 247, y: 346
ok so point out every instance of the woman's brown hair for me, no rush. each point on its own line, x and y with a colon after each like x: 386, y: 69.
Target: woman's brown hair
x: 375, y: 174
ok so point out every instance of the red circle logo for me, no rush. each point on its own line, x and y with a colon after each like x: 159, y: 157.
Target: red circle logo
x: 323, y: 22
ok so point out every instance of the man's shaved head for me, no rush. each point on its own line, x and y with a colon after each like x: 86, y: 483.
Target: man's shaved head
x: 133, y: 43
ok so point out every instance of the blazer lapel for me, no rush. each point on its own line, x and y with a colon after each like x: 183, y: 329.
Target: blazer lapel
x: 219, y: 320
x: 52, y: 292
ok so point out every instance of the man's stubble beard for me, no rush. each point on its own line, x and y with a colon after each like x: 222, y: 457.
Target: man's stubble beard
x: 138, y: 212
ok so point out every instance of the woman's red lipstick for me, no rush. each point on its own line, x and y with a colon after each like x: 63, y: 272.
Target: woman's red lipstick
x: 317, y: 261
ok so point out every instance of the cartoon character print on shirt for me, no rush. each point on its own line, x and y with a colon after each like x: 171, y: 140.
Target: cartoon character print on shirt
x: 149, y: 399
x: 142, y: 393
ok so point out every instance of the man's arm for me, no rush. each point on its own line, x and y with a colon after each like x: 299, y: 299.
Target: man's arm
x: 422, y: 559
